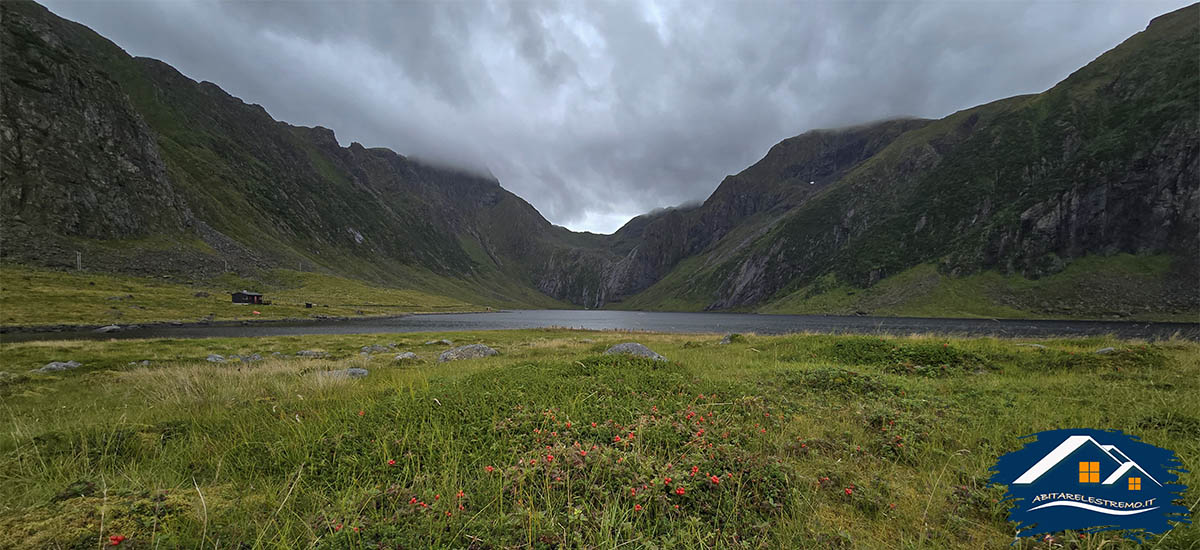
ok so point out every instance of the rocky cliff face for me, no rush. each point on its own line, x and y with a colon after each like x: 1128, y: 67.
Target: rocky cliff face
x: 78, y: 160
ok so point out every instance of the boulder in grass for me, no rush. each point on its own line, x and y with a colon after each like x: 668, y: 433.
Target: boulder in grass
x: 1106, y: 351
x: 472, y: 351
x: 108, y: 328
x: 312, y: 354
x: 353, y: 372
x: 407, y: 356
x: 442, y: 342
x: 214, y: 358
x: 56, y: 366
x: 635, y: 349
x: 732, y: 338
x: 375, y: 348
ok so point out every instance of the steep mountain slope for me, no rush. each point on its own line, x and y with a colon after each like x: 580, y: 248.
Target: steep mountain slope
x: 1104, y: 162
x: 148, y: 171
x: 145, y: 171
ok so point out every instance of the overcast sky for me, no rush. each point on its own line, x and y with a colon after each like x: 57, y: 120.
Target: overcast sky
x: 596, y: 111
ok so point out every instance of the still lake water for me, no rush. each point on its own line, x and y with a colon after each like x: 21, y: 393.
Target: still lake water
x: 651, y: 321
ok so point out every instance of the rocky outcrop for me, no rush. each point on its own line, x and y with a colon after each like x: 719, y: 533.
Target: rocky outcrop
x: 470, y: 351
x: 634, y: 349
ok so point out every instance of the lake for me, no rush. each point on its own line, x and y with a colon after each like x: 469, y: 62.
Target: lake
x: 650, y: 321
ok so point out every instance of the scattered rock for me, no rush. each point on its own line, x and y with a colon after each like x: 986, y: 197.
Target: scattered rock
x: 107, y: 329
x: 1106, y: 351
x: 470, y: 351
x: 1036, y: 346
x: 407, y: 356
x: 142, y: 363
x: 442, y: 342
x: 635, y: 349
x: 201, y: 294
x: 373, y: 348
x: 214, y: 358
x: 353, y: 372
x: 56, y: 366
x: 732, y: 338
x: 247, y: 358
x: 312, y: 354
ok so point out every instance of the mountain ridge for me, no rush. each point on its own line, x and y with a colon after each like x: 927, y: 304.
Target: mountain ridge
x: 178, y: 175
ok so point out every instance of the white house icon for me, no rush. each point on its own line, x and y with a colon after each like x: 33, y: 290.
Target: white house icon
x: 1071, y: 444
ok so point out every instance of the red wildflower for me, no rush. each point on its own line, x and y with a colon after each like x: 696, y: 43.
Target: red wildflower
x: 116, y: 539
x: 849, y: 491
x: 337, y: 528
x: 412, y: 500
x: 666, y: 481
x: 633, y: 491
x: 360, y: 413
x: 392, y: 462
x: 549, y: 458
x: 695, y: 469
x: 680, y: 490
x: 616, y: 439
x: 637, y: 507
x: 423, y: 505
x: 593, y: 424
x: 436, y: 497
x: 489, y: 469
x: 582, y: 453
x: 714, y: 479
x: 532, y: 461
x: 448, y: 514
x: 460, y: 494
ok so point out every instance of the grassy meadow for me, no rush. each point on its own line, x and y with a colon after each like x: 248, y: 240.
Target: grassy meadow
x: 31, y: 296
x: 800, y: 441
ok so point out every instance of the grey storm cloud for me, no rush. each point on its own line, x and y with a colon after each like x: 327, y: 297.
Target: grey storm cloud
x: 598, y: 111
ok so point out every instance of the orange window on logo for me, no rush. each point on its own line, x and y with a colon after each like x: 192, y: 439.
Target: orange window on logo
x: 1135, y: 484
x: 1089, y: 472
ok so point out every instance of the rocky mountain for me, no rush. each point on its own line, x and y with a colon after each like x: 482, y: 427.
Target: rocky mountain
x: 144, y: 170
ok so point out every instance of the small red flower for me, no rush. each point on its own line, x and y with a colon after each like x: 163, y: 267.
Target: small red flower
x: 549, y: 458
x: 714, y: 479
x: 637, y: 507
x: 568, y: 424
x: 616, y: 439
x: 582, y: 453
x: 437, y: 497
x: 593, y: 424
x: 666, y: 481
x: 412, y: 500
x: 116, y: 539
x: 392, y: 462
x: 532, y: 461
x: 360, y: 413
x: 488, y: 469
x: 680, y: 490
x: 695, y: 469
x: 448, y: 514
x: 337, y: 528
x: 633, y: 491
x: 460, y: 494
x: 849, y: 491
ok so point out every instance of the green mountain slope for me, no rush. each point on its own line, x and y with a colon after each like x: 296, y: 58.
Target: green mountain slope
x: 1105, y: 162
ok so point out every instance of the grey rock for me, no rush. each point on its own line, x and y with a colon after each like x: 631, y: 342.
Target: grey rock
x: 1106, y: 351
x: 635, y: 349
x: 471, y: 351
x: 407, y: 356
x: 142, y: 363
x: 107, y: 329
x: 353, y: 372
x: 374, y: 348
x: 214, y: 358
x: 312, y: 354
x: 442, y: 342
x: 1035, y: 346
x: 249, y: 358
x: 731, y: 338
x: 56, y: 366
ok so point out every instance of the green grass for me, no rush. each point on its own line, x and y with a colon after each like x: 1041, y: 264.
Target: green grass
x: 36, y: 296
x: 185, y: 453
x: 1093, y: 287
